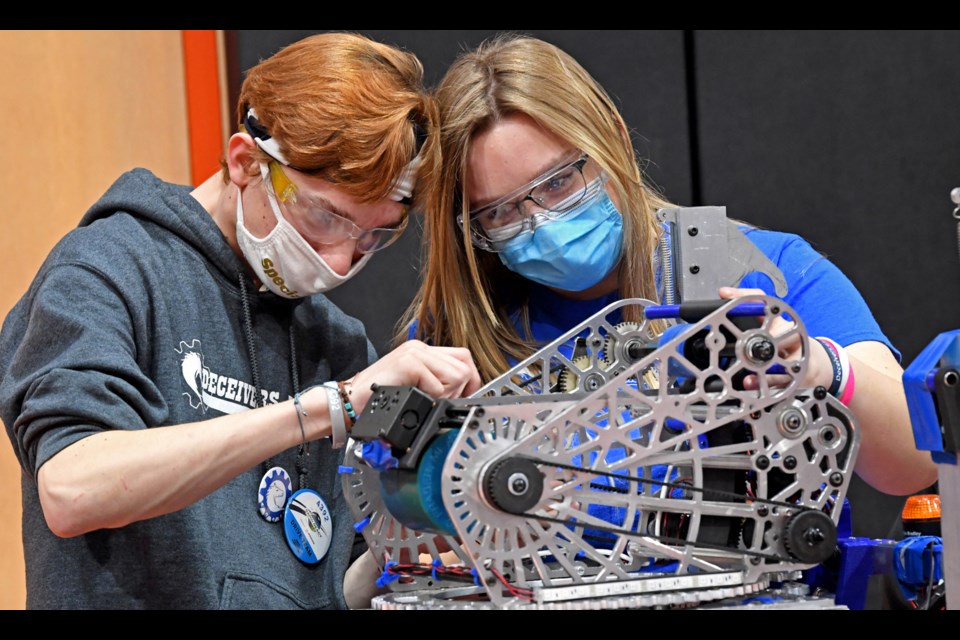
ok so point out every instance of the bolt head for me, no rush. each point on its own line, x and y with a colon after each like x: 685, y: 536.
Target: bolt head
x: 761, y: 350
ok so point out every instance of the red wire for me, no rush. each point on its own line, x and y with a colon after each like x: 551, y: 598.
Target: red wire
x: 517, y: 592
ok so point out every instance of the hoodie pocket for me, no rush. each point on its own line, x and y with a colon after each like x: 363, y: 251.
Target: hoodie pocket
x: 249, y: 591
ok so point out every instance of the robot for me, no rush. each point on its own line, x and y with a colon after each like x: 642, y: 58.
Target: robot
x: 624, y: 465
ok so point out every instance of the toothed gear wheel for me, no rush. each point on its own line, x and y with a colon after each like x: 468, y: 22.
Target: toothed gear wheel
x: 810, y: 536
x: 745, y: 536
x: 568, y: 380
x: 623, y: 339
x: 628, y: 333
x: 514, y: 485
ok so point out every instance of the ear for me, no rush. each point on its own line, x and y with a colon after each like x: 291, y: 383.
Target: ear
x: 241, y: 161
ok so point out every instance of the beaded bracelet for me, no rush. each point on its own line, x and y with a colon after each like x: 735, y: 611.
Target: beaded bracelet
x: 345, y: 397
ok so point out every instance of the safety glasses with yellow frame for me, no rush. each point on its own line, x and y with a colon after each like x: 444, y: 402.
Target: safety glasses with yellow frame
x: 318, y: 224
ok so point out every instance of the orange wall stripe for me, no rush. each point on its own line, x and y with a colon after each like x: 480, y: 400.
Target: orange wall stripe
x: 203, y: 103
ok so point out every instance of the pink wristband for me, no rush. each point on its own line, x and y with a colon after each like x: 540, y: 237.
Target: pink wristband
x: 847, y: 394
x: 842, y: 371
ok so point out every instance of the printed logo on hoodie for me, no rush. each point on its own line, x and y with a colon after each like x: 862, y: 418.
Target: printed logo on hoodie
x: 210, y: 390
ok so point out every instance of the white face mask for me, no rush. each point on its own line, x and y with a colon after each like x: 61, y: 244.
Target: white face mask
x: 284, y: 261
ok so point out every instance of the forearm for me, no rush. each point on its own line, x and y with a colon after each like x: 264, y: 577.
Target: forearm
x: 889, y: 459
x: 360, y: 582
x: 113, y: 478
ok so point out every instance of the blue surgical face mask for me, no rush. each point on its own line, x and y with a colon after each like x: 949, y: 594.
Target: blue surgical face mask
x: 570, y: 253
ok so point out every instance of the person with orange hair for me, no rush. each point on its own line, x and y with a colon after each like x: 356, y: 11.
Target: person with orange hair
x: 175, y: 385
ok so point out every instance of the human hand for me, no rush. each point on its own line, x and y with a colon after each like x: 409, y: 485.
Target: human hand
x: 819, y: 370
x: 441, y: 372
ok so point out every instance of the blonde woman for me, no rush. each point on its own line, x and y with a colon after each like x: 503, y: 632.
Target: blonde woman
x: 540, y: 217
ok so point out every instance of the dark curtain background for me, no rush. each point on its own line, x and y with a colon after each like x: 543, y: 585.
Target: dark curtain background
x: 849, y: 138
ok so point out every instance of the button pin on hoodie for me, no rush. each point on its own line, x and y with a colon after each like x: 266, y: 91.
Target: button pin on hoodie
x: 308, y: 526
x: 275, y: 491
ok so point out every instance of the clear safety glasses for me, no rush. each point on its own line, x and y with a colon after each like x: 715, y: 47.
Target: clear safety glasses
x: 319, y: 224
x: 547, y: 197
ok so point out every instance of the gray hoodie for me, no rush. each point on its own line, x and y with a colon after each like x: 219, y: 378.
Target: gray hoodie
x: 137, y: 320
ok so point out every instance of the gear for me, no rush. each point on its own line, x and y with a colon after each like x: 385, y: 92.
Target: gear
x: 514, y: 485
x: 568, y: 380
x: 810, y: 536
x: 626, y: 345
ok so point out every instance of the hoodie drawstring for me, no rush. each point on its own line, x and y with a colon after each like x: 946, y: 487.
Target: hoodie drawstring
x: 255, y: 370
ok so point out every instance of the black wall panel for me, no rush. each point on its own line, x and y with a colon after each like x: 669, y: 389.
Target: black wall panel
x: 851, y: 139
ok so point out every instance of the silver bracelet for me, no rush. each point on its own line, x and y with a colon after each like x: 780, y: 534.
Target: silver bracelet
x: 338, y: 424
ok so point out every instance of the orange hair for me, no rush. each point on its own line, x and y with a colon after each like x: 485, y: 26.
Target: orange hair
x: 342, y: 107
